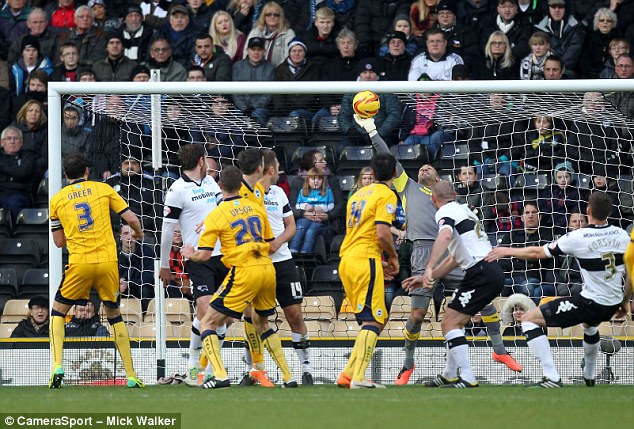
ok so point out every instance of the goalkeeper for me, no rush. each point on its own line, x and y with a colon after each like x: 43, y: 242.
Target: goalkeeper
x: 422, y: 230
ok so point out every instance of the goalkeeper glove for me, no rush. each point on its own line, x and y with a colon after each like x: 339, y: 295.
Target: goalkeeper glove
x: 367, y: 124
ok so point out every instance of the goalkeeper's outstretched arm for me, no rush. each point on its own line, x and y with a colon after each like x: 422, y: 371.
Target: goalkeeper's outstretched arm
x: 377, y: 141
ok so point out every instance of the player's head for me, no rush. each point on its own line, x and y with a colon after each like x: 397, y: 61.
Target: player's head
x: 443, y: 193
x: 271, y: 165
x: 427, y: 175
x: 599, y: 206
x: 384, y: 166
x: 231, y: 179
x: 76, y: 166
x: 190, y: 155
x: 250, y: 160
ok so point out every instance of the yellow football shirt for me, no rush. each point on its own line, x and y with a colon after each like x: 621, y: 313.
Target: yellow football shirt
x: 243, y: 229
x: 82, y: 210
x: 370, y: 205
x: 256, y: 194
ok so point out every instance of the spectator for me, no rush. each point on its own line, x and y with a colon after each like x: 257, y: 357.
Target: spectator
x: 469, y: 191
x: 74, y: 137
x: 116, y: 67
x: 315, y: 200
x: 402, y: 24
x: 344, y: 11
x: 567, y: 272
x: 296, y: 69
x: 532, y: 66
x: 16, y: 172
x: 32, y: 122
x: 36, y: 323
x: 554, y: 68
x: 461, y: 39
x: 617, y: 47
x: 395, y: 64
x: 225, y: 34
x: 596, y: 46
x: 299, y: 13
x: 534, y: 278
x: 181, y: 34
x: 254, y: 68
x: 331, y: 219
x: 66, y: 71
x: 499, y: 63
x: 102, y: 20
x: 508, y: 21
x: 212, y: 58
x: 241, y: 12
x: 136, y: 35
x: 31, y: 60
x: 517, y: 308
x: 623, y: 101
x: 560, y: 199
x: 104, y: 140
x: 85, y: 322
x: 320, y: 38
x: 179, y: 286
x: 387, y: 120
x: 196, y: 74
x: 136, y: 268
x: 37, y: 24
x: 88, y: 38
x: 529, y: 11
x: 372, y: 21
x: 621, y: 215
x: 200, y: 14
x: 436, y: 62
x: 272, y: 26
x: 13, y: 19
x: 566, y: 35
x: 140, y: 74
x: 155, y: 13
x: 37, y: 87
x: 364, y: 178
x: 139, y: 190
x: 501, y: 214
x: 344, y: 66
x: 474, y: 13
x: 161, y: 59
x: 62, y: 15
x: 422, y: 15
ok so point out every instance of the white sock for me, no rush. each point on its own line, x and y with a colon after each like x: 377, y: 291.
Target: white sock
x: 248, y: 361
x: 451, y: 369
x: 460, y: 354
x: 195, y: 345
x: 302, y: 354
x: 590, y: 353
x: 221, y: 331
x: 540, y: 348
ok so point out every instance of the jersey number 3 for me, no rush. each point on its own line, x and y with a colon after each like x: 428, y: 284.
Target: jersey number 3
x: 84, y: 214
x: 252, y: 226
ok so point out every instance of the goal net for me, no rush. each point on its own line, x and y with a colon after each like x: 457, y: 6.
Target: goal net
x: 502, y: 146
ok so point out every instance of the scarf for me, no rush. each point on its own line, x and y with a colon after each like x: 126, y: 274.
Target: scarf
x: 295, y: 69
x: 504, y: 27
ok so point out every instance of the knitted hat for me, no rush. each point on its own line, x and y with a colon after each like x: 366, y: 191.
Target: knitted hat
x: 138, y: 70
x: 368, y: 64
x: 297, y: 41
x: 567, y: 166
x: 446, y: 5
x: 113, y: 35
x: 133, y: 8
x: 91, y: 3
x: 460, y: 71
x: 30, y: 41
x: 397, y: 35
x: 401, y: 17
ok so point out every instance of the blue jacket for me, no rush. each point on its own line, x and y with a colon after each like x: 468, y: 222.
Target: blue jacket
x: 19, y: 73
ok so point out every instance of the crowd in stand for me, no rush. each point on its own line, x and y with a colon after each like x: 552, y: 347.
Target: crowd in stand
x: 312, y: 40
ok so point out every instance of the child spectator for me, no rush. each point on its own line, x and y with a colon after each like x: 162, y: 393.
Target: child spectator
x: 67, y: 70
x: 532, y: 66
x: 557, y: 201
x: 423, y: 130
x: 31, y: 60
x: 364, y: 178
x: 402, y: 24
x: 617, y: 47
x: 315, y: 196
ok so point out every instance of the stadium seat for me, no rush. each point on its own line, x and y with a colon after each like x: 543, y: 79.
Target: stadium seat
x: 531, y: 181
x: 21, y: 254
x: 335, y: 246
x: 345, y: 328
x: 6, y: 228
x: 177, y: 311
x: 325, y: 278
x: 15, y: 310
x: 319, y: 308
x: 287, y: 125
x: 411, y: 156
x: 394, y: 329
x: 401, y: 308
x: 130, y: 310
x: 31, y: 221
x: 148, y: 331
x: 495, y: 238
x: 353, y: 159
x: 6, y: 329
x: 8, y: 282
x: 34, y: 283
x: 311, y: 260
x: 499, y: 302
x: 41, y: 197
x: 455, y: 150
x: 346, y: 182
x: 584, y: 181
x: 494, y: 183
x: 328, y: 124
x: 301, y: 273
x: 236, y: 330
x: 319, y: 328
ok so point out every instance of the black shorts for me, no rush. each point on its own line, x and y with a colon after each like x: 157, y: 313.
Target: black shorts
x: 570, y: 311
x: 482, y: 282
x: 206, y: 276
x: 289, y: 288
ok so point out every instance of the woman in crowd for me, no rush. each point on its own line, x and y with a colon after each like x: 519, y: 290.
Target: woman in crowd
x: 273, y: 27
x: 498, y: 63
x: 36, y: 323
x: 422, y: 15
x: 225, y: 34
x: 31, y: 120
x: 617, y: 47
x: 596, y: 49
x: 364, y: 178
x: 241, y: 12
x: 532, y: 66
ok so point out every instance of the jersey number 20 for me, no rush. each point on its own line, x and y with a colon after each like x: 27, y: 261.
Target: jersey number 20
x: 252, y: 226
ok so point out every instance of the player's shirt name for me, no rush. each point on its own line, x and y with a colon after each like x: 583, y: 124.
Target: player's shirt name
x: 82, y: 193
x: 241, y: 211
x: 603, y: 243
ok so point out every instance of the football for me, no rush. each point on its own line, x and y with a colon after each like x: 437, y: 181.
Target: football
x: 366, y: 104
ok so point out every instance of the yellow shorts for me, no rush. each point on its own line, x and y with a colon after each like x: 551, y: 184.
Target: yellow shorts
x: 80, y: 278
x: 244, y: 286
x: 363, y: 282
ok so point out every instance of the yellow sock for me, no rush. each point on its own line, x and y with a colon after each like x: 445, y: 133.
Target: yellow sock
x: 255, y: 345
x: 274, y: 346
x: 122, y: 340
x: 57, y: 335
x: 211, y: 346
x: 363, y: 349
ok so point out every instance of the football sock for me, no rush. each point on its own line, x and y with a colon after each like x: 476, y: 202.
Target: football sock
x: 122, y: 340
x: 412, y: 332
x: 540, y: 348
x: 274, y: 345
x: 221, y: 331
x: 451, y: 368
x: 301, y: 344
x: 255, y: 344
x: 211, y: 346
x: 491, y: 320
x: 57, y: 335
x: 352, y: 360
x: 459, y: 349
x: 591, y: 346
x: 364, y: 349
x: 195, y: 344
x: 247, y: 357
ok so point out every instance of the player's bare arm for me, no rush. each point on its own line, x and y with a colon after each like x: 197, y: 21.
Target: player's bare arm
x: 200, y: 255
x: 59, y: 238
x: 531, y: 252
x: 445, y: 267
x: 133, y: 221
x: 387, y: 244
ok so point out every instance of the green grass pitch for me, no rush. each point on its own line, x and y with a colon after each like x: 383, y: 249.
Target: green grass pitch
x: 330, y: 407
